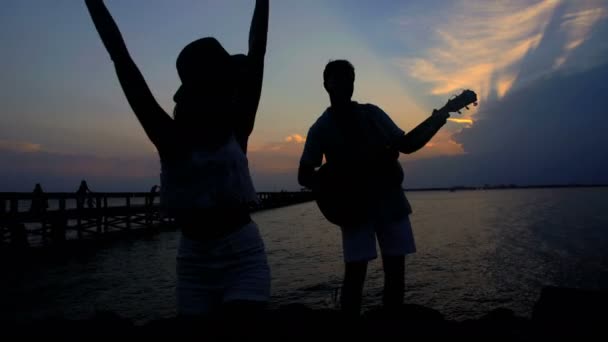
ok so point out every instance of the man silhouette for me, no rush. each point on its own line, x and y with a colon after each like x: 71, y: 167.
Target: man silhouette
x: 362, y: 145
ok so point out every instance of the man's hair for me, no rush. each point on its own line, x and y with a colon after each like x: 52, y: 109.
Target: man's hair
x: 337, y: 67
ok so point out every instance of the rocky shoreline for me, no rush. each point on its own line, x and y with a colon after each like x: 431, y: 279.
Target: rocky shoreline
x: 559, y: 314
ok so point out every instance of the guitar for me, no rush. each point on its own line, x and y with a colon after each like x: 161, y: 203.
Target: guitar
x: 344, y: 199
x: 458, y: 102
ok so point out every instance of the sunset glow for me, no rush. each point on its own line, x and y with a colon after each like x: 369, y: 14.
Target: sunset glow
x: 62, y: 100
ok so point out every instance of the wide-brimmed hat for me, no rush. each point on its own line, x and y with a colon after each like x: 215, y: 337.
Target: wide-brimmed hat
x: 203, y: 60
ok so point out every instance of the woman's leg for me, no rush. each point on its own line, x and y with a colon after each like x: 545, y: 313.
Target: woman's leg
x: 198, y: 288
x: 247, y: 278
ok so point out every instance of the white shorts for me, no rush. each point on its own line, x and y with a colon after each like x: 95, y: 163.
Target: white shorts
x: 395, y: 239
x: 230, y: 268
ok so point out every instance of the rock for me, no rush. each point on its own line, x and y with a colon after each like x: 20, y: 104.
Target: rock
x: 559, y: 314
x: 563, y: 312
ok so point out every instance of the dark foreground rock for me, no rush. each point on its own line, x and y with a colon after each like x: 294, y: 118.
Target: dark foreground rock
x: 559, y: 314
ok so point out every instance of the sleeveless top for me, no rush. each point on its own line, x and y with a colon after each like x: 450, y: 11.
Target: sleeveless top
x: 207, y: 179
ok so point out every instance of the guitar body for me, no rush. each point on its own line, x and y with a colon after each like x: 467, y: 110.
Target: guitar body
x: 345, y: 194
x: 335, y: 195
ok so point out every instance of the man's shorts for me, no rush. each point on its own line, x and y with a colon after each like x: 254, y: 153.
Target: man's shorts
x: 395, y: 239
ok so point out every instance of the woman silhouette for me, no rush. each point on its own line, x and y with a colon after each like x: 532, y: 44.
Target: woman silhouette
x: 205, y: 180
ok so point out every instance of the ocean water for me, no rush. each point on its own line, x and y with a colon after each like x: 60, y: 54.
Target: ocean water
x: 477, y: 251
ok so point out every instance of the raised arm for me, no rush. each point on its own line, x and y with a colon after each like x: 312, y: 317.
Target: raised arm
x: 250, y: 86
x: 150, y: 114
x: 420, y: 136
x: 423, y: 133
x: 258, y: 33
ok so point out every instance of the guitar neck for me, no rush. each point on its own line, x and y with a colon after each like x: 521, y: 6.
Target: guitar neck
x: 442, y: 112
x: 444, y: 109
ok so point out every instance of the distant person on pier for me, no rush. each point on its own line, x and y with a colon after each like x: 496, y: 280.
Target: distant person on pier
x: 205, y: 180
x: 153, y: 193
x: 359, y: 188
x: 83, y: 193
x: 39, y: 201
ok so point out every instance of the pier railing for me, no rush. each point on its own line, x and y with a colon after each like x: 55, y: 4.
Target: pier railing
x: 27, y: 219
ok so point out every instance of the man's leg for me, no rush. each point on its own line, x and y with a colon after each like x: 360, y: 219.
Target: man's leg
x: 394, y: 280
x: 396, y: 240
x: 352, y: 288
x: 359, y: 247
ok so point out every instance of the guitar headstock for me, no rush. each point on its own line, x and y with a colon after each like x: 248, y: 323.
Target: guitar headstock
x: 463, y: 100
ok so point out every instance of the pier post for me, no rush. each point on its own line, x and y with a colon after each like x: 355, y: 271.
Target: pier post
x: 18, y: 230
x: 99, y: 214
x: 59, y: 224
x: 105, y: 217
x: 2, y: 219
x: 79, y: 210
x: 128, y: 212
x: 14, y: 207
x: 148, y: 200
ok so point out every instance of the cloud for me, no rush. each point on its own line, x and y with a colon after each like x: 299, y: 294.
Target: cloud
x: 538, y: 69
x: 15, y: 146
x: 541, y: 134
x: 273, y: 158
x: 295, y: 138
x: 577, y: 26
x: 275, y: 166
x: 441, y: 145
x: 480, y: 45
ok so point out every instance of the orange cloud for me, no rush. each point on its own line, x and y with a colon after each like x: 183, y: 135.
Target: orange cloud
x: 295, y: 138
x: 23, y: 147
x: 504, y: 83
x: 277, y: 156
x: 442, y: 144
x: 481, y: 45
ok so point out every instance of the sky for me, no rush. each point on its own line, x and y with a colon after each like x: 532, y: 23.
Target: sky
x: 539, y: 68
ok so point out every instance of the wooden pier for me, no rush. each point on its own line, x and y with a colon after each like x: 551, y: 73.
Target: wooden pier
x: 27, y: 219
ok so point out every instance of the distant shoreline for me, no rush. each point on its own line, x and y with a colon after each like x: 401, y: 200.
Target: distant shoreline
x: 27, y: 194
x: 509, y: 187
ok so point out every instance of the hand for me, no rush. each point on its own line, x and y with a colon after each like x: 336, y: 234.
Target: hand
x: 441, y: 113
